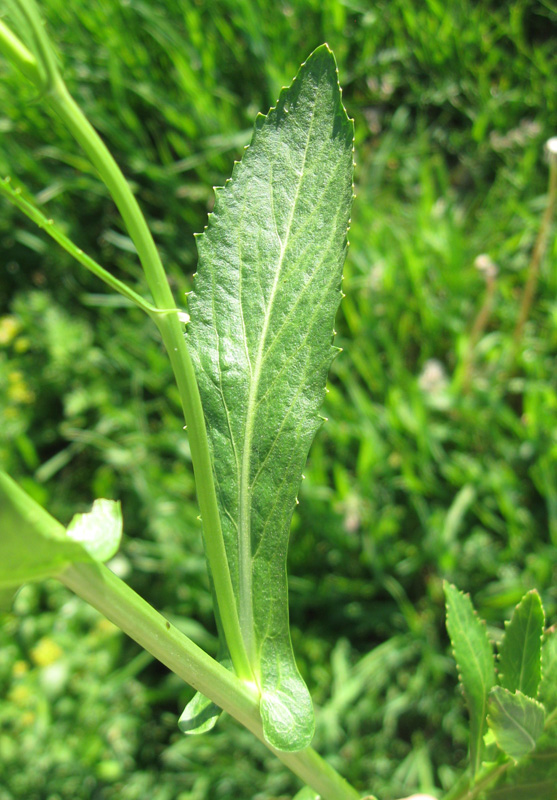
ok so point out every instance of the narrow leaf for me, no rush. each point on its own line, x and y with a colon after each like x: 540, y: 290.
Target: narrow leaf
x: 262, y: 314
x: 33, y: 545
x: 516, y: 721
x: 474, y: 657
x: 520, y: 655
x: 548, y: 686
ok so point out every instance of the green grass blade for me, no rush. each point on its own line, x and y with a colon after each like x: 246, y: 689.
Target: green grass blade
x: 262, y: 314
x: 516, y: 721
x: 475, y: 663
x: 520, y: 656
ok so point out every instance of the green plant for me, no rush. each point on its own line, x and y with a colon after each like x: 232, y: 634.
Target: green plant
x: 277, y: 708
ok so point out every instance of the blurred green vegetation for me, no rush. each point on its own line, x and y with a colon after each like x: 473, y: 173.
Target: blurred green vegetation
x: 439, y: 456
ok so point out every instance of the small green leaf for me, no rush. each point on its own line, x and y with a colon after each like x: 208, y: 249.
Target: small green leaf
x: 262, y: 315
x: 306, y: 794
x: 516, y: 721
x: 33, y: 545
x: 548, y: 686
x: 474, y: 658
x: 199, y: 716
x: 100, y: 530
x: 533, y: 777
x: 520, y: 655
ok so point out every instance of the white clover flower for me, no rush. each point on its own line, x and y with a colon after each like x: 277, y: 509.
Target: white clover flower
x: 433, y: 378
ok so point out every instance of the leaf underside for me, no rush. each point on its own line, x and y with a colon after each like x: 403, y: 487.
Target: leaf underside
x: 520, y: 656
x: 475, y: 662
x: 260, y: 335
x: 516, y: 721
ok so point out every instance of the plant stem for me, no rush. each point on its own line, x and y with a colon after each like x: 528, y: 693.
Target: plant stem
x: 469, y: 788
x: 97, y: 585
x: 168, y: 324
x: 537, y: 255
x: 478, y: 328
x: 15, y: 197
x: 16, y: 52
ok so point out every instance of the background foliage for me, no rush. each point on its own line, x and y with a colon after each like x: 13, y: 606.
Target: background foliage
x: 438, y: 459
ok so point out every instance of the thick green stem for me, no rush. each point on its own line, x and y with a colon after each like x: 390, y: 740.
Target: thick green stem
x: 169, y: 326
x: 121, y: 605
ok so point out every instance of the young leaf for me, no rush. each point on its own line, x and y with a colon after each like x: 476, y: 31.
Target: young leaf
x: 99, y: 531
x: 516, y: 721
x: 520, y: 656
x: 306, y: 794
x: 533, y: 777
x: 33, y: 545
x: 199, y: 716
x: 475, y: 663
x: 262, y: 314
x: 548, y: 686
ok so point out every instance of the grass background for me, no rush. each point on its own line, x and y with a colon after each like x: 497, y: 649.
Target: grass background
x: 439, y: 457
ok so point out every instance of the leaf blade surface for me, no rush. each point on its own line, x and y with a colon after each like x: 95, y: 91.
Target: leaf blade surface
x: 520, y: 656
x: 516, y: 720
x: 262, y: 313
x: 474, y: 657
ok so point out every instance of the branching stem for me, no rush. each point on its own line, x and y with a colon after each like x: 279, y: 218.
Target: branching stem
x: 121, y: 605
x: 169, y: 326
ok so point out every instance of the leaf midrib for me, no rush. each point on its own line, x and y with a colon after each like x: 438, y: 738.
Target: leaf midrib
x: 245, y: 578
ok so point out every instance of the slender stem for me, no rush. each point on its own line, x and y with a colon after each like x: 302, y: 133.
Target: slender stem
x: 469, y: 788
x: 16, y: 52
x: 537, y: 256
x: 478, y: 328
x: 15, y: 197
x: 168, y: 324
x: 97, y: 585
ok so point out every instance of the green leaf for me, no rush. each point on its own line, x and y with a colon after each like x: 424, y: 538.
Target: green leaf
x: 262, y: 315
x: 99, y: 531
x: 532, y: 778
x: 520, y: 655
x: 33, y: 545
x: 516, y: 721
x: 474, y: 657
x: 306, y: 794
x: 548, y: 686
x: 199, y: 716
